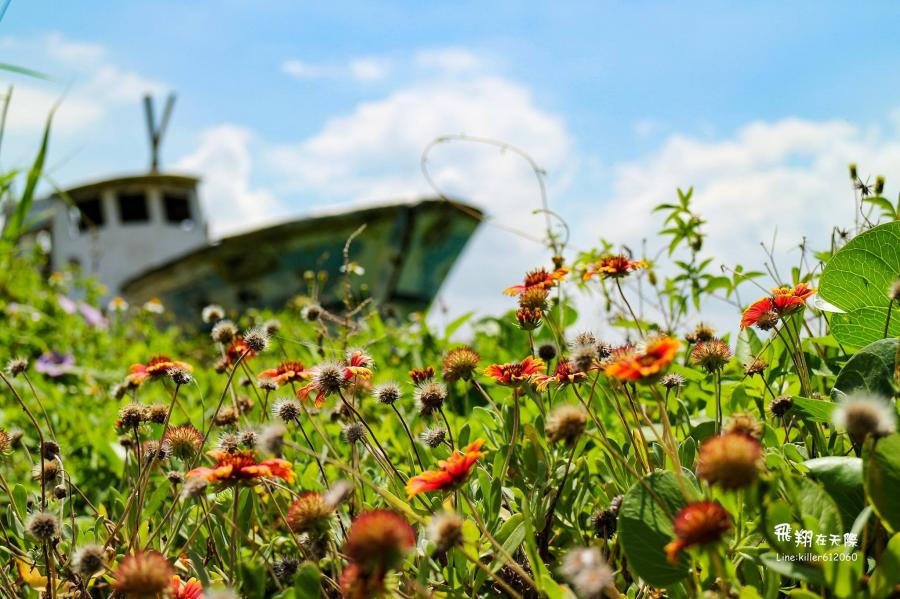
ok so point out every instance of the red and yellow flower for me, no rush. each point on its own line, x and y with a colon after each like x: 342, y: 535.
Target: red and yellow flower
x: 539, y: 278
x: 643, y: 364
x: 359, y: 364
x: 453, y: 471
x: 698, y: 523
x: 613, y: 267
x: 190, y: 589
x: 514, y: 373
x: 242, y: 467
x: 286, y: 372
x: 157, y: 367
x: 564, y: 374
x: 782, y: 302
x: 237, y: 348
x: 420, y: 375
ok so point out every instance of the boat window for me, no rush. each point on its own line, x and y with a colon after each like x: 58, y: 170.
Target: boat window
x: 90, y: 214
x: 133, y: 207
x: 177, y: 207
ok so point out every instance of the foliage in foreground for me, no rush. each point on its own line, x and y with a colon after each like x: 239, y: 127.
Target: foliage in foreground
x: 320, y: 452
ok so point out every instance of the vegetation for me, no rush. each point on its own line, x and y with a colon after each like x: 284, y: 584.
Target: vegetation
x: 338, y: 451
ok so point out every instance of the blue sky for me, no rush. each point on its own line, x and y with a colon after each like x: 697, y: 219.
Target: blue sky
x: 286, y: 107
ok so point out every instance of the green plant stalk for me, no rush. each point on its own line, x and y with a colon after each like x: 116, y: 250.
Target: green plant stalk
x: 409, y: 436
x: 40, y: 434
x: 514, y: 436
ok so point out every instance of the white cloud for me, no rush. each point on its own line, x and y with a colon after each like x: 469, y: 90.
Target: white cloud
x: 223, y: 157
x: 449, y: 60
x: 363, y: 68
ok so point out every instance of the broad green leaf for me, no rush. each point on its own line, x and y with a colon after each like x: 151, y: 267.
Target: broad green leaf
x: 882, y: 481
x: 842, y: 477
x: 645, y: 529
x: 857, y: 280
x: 887, y: 573
x: 813, y: 410
x: 307, y: 583
x: 870, y: 370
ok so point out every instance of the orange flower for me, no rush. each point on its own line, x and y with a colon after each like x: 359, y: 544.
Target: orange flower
x: 419, y: 375
x: 192, y: 589
x: 513, y: 373
x: 564, y: 374
x: 783, y: 301
x: 286, y: 372
x: 539, y: 278
x: 241, y: 466
x: 157, y: 367
x: 453, y: 471
x: 359, y: 364
x: 236, y: 349
x: 698, y: 523
x: 646, y: 364
x: 613, y: 266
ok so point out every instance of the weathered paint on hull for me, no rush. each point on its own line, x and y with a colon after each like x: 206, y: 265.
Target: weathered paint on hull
x: 406, y: 251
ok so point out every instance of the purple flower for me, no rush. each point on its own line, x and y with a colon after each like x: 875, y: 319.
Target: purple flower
x: 67, y: 305
x: 92, y: 315
x: 54, y: 364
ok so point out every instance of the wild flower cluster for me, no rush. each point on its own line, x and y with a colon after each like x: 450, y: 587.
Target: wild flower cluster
x: 338, y: 451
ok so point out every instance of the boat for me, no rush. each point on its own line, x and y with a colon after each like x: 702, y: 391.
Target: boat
x: 145, y: 236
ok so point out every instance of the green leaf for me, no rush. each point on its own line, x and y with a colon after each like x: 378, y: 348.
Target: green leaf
x: 645, y: 529
x: 887, y: 574
x: 308, y: 582
x: 870, y: 370
x: 17, y: 220
x: 882, y: 481
x: 795, y: 570
x: 842, y: 477
x: 857, y: 280
x: 813, y: 410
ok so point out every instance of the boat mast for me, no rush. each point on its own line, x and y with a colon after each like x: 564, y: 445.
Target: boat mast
x: 156, y: 131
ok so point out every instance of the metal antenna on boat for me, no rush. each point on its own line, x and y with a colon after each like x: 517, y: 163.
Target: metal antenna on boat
x: 156, y: 131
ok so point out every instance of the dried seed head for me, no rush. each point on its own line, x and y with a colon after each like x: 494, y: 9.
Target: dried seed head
x: 244, y: 403
x: 702, y: 333
x: 731, y: 461
x: 220, y: 366
x: 671, y: 381
x: 16, y: 366
x: 157, y: 413
x: 354, y: 432
x: 224, y: 332
x: 271, y: 326
x: 605, y: 521
x: 584, y: 339
x: 126, y: 441
x: 267, y: 384
x: 88, y: 560
x: 547, y: 352
x: 566, y: 423
x: 212, y: 313
x: 582, y: 357
x: 865, y: 416
x: 285, y: 569
x: 226, y: 416
x: 767, y: 320
x: 194, y: 486
x: 894, y: 291
x: 430, y: 396
x: 5, y: 442
x: 144, y: 574
x: 15, y: 437
x: 309, y: 513
x: 879, y: 185
x: 228, y: 442
x: 287, y: 409
x: 132, y: 415
x: 60, y: 491
x: 312, y: 312
x: 248, y: 437
x: 711, y: 355
x: 387, y: 393
x: 156, y: 451
x: 588, y: 572
x: 245, y: 381
x: 460, y: 363
x: 185, y: 441
x: 433, y: 437
x: 757, y: 366
x: 534, y: 298
x: 745, y: 423
x: 43, y: 526
x: 119, y: 390
x: 781, y: 405
x: 48, y: 474
x: 175, y: 477
x: 271, y: 439
x: 180, y: 376
x: 257, y: 339
x: 446, y: 531
x: 853, y: 172
x: 329, y: 377
x: 50, y: 449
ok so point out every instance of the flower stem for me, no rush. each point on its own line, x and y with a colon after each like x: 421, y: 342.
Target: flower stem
x: 513, y: 437
x: 409, y: 436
